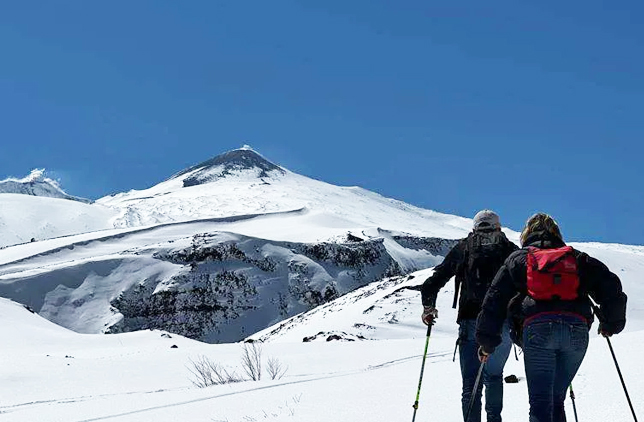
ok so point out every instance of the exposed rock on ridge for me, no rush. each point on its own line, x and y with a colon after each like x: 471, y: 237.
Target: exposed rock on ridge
x: 227, y: 163
x: 234, y: 287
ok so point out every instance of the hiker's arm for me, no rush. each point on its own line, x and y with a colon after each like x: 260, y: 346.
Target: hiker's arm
x: 606, y: 289
x: 442, y: 273
x: 494, y: 309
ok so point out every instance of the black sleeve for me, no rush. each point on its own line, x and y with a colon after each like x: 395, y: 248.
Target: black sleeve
x: 605, y: 288
x: 494, y: 309
x: 442, y: 273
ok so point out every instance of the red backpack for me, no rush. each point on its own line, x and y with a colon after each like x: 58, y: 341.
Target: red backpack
x: 552, y: 274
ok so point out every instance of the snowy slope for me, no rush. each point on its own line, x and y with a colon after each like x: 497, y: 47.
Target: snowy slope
x: 23, y: 217
x: 75, y: 280
x: 388, y: 309
x: 52, y: 374
x: 36, y: 207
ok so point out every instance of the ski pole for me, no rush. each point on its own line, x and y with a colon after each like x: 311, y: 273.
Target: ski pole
x: 574, y: 406
x: 600, y: 317
x: 422, y: 369
x: 474, y: 392
x: 621, y: 378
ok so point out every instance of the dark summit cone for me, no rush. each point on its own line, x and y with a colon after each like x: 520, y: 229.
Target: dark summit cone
x: 243, y: 159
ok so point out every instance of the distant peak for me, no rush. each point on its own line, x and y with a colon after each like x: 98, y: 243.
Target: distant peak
x: 36, y: 184
x: 238, y: 160
x: 37, y: 175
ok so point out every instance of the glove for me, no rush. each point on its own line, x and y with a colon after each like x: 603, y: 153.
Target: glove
x: 429, y: 314
x: 604, y: 331
x: 484, y: 354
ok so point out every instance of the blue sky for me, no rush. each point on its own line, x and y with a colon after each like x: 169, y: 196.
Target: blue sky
x: 451, y: 106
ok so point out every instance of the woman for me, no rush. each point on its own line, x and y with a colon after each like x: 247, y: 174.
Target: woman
x: 551, y: 285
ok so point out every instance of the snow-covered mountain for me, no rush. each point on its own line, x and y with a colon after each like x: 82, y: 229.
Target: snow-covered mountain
x: 220, y: 250
x: 36, y: 208
x: 242, y: 182
x: 36, y: 184
x: 51, y: 374
x: 245, y: 249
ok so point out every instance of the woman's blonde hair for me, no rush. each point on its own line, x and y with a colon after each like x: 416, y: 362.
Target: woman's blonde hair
x: 540, y: 222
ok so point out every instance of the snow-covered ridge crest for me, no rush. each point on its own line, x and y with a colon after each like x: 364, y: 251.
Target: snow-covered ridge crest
x: 238, y: 182
x: 243, y: 182
x: 37, y: 175
x: 36, y: 184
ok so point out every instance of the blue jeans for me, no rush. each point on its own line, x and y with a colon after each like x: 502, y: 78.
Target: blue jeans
x: 553, y: 347
x: 492, y: 376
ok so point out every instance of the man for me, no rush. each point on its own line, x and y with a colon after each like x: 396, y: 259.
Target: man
x: 474, y: 261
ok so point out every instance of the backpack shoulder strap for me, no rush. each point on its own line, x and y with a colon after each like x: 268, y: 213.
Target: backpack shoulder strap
x: 465, y: 257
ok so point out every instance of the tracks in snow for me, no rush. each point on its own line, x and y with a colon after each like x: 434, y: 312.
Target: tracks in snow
x: 16, y: 408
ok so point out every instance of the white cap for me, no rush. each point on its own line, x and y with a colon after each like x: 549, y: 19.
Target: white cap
x: 486, y: 219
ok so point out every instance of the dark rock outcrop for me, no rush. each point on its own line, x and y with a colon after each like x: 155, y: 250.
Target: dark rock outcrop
x: 227, y: 163
x: 232, y: 287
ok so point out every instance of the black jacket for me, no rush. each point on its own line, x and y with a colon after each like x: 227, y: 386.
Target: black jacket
x: 510, y: 284
x: 454, y: 264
